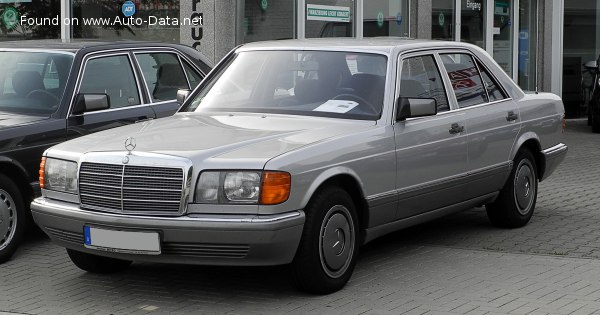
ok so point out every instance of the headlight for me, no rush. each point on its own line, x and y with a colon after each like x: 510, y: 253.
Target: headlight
x: 243, y: 187
x: 59, y: 175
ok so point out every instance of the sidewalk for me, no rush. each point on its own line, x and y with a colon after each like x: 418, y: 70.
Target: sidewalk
x: 456, y: 265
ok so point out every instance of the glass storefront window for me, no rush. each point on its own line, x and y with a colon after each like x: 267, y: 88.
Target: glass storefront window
x: 527, y: 44
x: 503, y: 34
x: 330, y: 18
x: 267, y: 20
x: 385, y: 18
x: 157, y: 20
x: 442, y: 19
x: 472, y: 22
x: 581, y: 44
x: 43, y: 15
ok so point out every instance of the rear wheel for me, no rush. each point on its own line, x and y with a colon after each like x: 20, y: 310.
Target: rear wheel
x: 97, y: 264
x: 13, y: 219
x: 328, y: 249
x: 514, y: 206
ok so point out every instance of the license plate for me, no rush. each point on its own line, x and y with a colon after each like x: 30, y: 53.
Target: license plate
x: 132, y: 242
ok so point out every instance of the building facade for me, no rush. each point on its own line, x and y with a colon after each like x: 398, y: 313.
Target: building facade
x: 540, y: 43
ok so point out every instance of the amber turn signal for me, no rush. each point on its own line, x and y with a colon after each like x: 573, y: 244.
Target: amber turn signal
x: 275, y: 188
x: 42, y: 172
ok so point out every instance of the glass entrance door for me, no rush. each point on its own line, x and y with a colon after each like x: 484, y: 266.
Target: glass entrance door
x: 503, y: 34
x: 473, y: 20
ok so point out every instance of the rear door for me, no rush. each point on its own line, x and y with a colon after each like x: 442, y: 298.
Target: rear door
x: 114, y: 75
x: 164, y: 73
x: 493, y: 121
x: 431, y: 152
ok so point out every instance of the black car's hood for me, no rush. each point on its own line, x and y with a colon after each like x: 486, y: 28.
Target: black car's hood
x: 12, y: 120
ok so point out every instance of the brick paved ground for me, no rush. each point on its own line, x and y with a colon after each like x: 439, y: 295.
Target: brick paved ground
x: 459, y: 264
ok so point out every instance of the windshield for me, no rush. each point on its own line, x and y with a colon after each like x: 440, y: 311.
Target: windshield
x: 316, y: 83
x: 32, y: 82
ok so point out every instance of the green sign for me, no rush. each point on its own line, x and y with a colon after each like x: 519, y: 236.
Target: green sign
x: 316, y: 12
x: 441, y: 19
x: 264, y: 4
x: 380, y: 19
x: 10, y: 17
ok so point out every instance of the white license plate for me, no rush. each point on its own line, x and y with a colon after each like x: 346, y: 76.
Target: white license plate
x: 147, y: 243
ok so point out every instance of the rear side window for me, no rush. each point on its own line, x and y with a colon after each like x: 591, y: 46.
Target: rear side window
x: 466, y: 81
x: 492, y: 87
x: 163, y: 75
x: 421, y: 78
x: 114, y: 76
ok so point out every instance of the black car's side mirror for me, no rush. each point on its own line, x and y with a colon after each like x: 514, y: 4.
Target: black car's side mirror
x: 182, y: 95
x: 409, y: 107
x: 90, y: 102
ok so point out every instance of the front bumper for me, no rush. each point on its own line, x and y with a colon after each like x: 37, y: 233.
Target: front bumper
x: 552, y: 158
x: 237, y: 240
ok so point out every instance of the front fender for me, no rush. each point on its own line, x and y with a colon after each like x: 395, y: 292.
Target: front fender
x: 325, y: 176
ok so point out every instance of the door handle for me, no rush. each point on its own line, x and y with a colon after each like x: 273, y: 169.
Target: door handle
x: 456, y: 128
x: 512, y: 116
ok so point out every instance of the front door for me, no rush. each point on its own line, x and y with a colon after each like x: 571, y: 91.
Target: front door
x: 431, y: 152
x: 114, y: 76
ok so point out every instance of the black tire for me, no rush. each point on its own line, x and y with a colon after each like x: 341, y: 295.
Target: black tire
x: 327, y: 253
x: 97, y: 264
x: 515, y: 205
x: 13, y: 218
x: 595, y: 121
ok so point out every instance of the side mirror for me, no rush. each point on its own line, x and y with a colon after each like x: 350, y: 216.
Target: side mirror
x: 182, y: 95
x: 90, y: 102
x: 415, y: 107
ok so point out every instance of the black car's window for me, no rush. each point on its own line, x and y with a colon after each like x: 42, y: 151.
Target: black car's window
x: 315, y: 83
x: 113, y: 76
x: 163, y: 74
x: 193, y: 76
x: 492, y: 87
x: 420, y: 78
x: 33, y: 82
x: 465, y: 78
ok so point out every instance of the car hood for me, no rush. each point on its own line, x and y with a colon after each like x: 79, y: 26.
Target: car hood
x: 198, y: 136
x: 12, y: 120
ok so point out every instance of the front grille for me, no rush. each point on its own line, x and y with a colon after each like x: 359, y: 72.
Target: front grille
x: 66, y: 236
x: 131, y: 189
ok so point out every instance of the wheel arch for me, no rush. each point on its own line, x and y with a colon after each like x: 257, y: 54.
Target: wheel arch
x: 17, y: 173
x: 348, y: 180
x: 531, y: 142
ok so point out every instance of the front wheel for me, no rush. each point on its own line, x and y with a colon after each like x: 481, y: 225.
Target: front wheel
x: 12, y: 218
x: 516, y: 202
x: 328, y: 249
x: 97, y: 264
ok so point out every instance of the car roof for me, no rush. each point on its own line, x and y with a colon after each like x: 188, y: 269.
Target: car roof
x: 76, y: 45
x: 376, y: 44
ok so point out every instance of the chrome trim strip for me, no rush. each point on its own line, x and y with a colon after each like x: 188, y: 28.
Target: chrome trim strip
x: 253, y: 218
x: 41, y: 50
x: 555, y: 149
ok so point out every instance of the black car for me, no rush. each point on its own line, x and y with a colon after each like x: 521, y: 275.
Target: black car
x: 51, y: 92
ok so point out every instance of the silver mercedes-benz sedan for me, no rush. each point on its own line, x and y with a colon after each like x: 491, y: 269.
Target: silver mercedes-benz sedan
x: 298, y: 152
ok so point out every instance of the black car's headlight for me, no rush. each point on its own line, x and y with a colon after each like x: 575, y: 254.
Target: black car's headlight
x: 58, y: 175
x: 243, y: 187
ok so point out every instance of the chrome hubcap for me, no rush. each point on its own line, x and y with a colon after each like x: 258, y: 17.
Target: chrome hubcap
x: 336, y: 244
x: 525, y: 182
x: 8, y: 219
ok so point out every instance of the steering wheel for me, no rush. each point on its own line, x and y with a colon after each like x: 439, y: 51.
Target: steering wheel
x: 357, y: 98
x: 44, y: 93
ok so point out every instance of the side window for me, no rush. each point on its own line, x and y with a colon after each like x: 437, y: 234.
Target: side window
x: 466, y: 82
x: 194, y: 76
x: 114, y: 76
x: 420, y: 78
x: 493, y: 89
x: 163, y: 75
